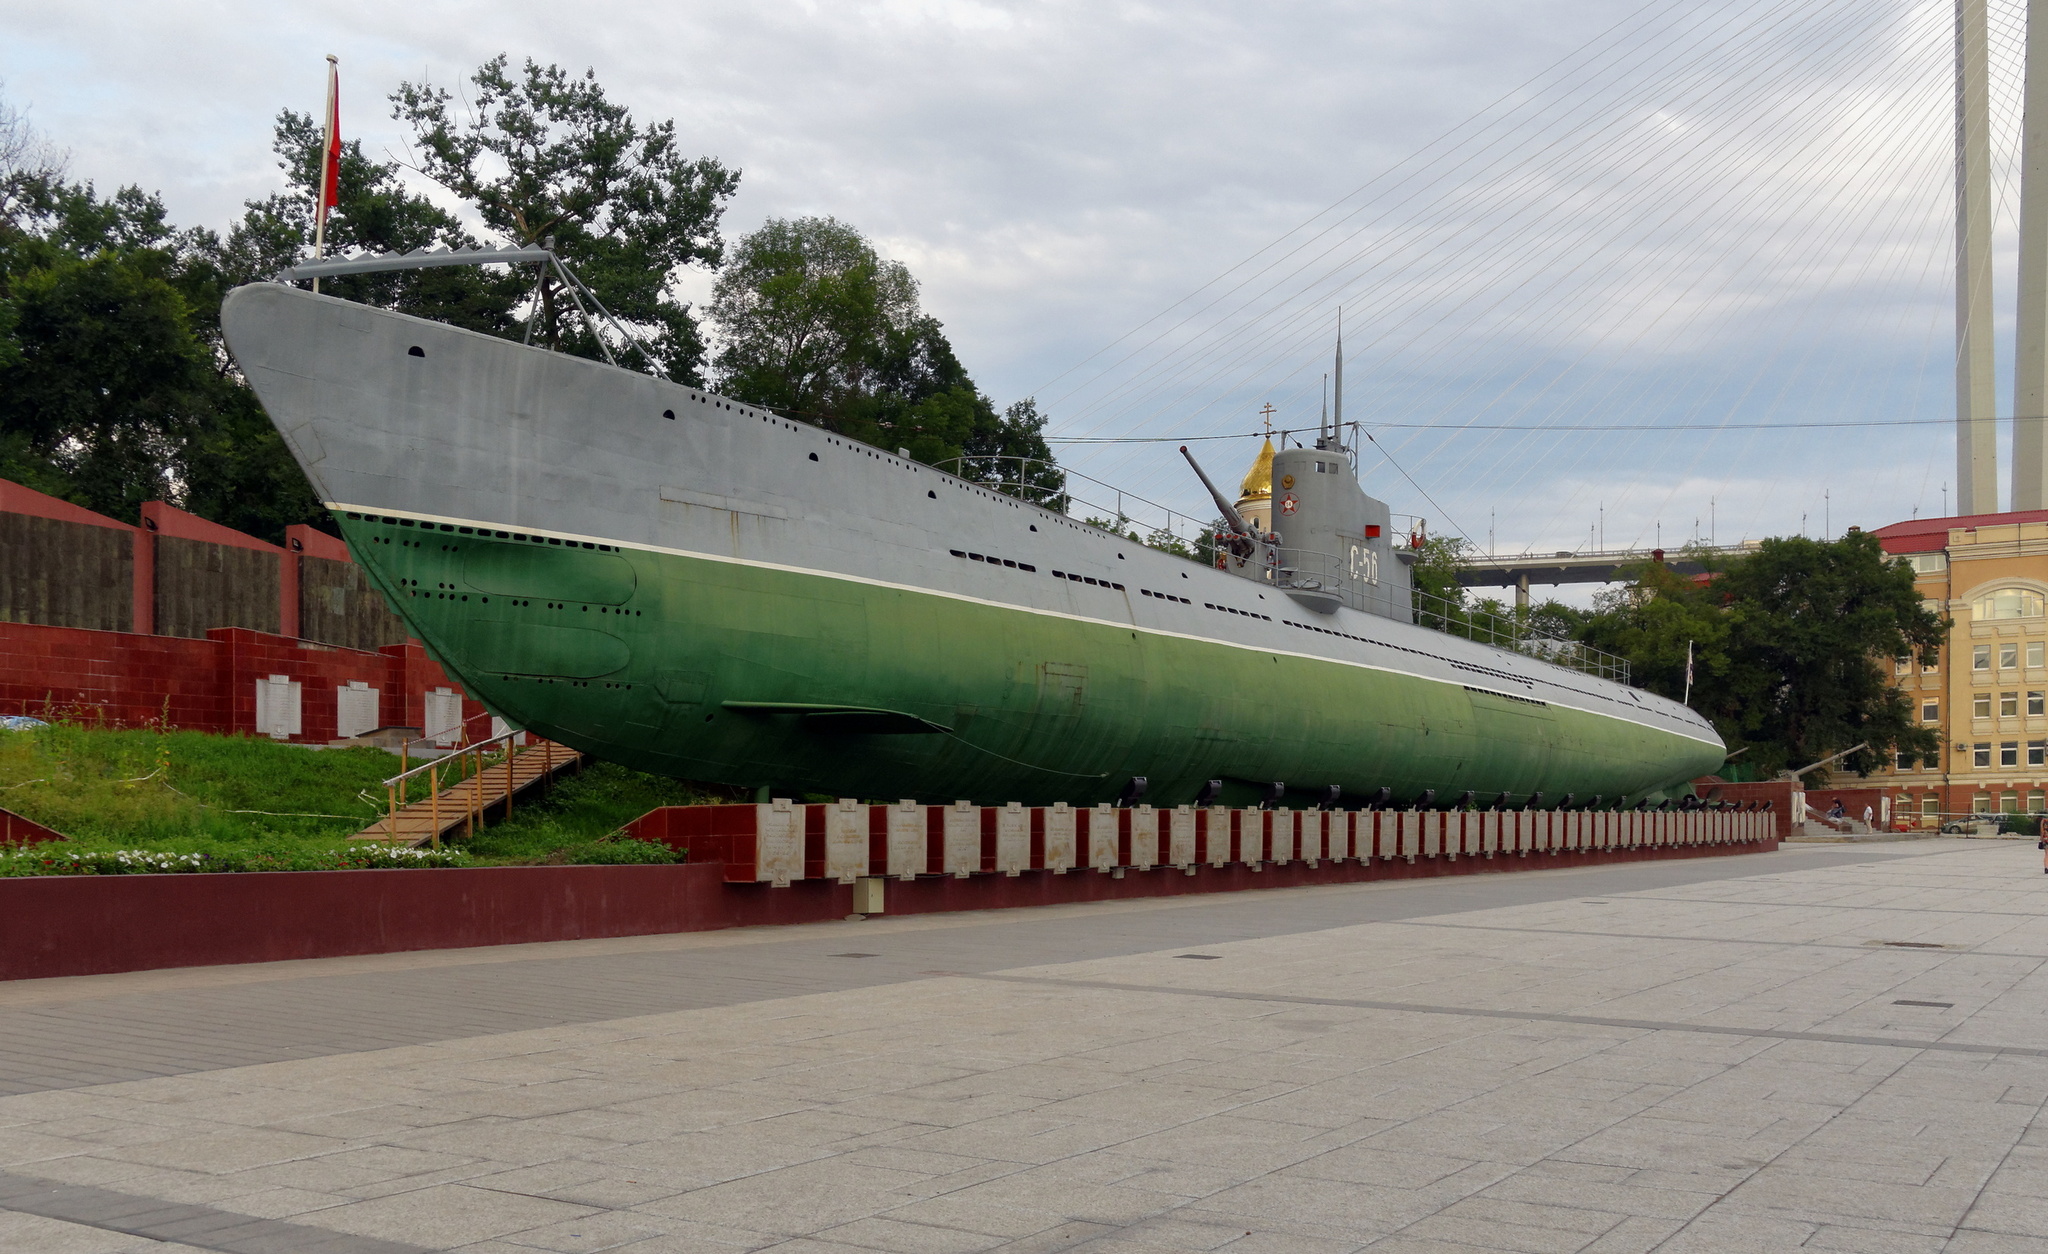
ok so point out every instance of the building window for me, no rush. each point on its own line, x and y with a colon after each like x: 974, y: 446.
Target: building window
x: 1931, y: 666
x: 1930, y: 711
x: 2036, y: 802
x: 1927, y: 563
x: 2035, y: 650
x: 1982, y: 804
x: 2009, y: 803
x: 1980, y: 658
x: 1902, y: 666
x: 2037, y: 704
x: 2008, y: 705
x: 2009, y: 753
x: 2009, y: 656
x: 2008, y: 603
x: 1905, y: 762
x: 1980, y: 705
x: 1980, y: 755
x: 1930, y: 805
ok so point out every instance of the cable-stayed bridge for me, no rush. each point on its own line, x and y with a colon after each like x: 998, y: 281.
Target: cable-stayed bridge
x: 1742, y: 248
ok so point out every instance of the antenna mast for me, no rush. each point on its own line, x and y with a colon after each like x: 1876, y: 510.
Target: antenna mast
x: 1336, y: 436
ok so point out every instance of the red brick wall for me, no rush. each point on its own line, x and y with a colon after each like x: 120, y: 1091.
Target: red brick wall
x: 206, y: 685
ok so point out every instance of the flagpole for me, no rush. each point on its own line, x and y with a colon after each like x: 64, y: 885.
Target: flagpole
x: 320, y: 205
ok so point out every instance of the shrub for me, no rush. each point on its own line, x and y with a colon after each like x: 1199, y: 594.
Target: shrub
x: 621, y: 851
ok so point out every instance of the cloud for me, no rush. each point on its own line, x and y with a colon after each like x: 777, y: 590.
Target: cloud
x: 1056, y: 174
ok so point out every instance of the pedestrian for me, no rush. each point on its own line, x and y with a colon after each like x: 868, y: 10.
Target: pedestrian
x: 1836, y: 811
x: 1868, y: 814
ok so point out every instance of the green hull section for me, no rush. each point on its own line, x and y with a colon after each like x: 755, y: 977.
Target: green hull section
x: 757, y: 675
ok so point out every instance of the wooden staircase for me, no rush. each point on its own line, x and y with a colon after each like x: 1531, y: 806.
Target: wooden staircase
x: 495, y: 778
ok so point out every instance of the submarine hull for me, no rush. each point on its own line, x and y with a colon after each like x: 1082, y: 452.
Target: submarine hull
x: 685, y: 584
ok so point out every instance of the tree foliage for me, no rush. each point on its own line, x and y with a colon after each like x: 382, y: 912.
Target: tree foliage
x: 1792, y: 648
x: 543, y: 154
x: 104, y: 381
x: 374, y: 211
x: 116, y: 386
x: 815, y: 323
x: 242, y: 474
x: 1433, y: 577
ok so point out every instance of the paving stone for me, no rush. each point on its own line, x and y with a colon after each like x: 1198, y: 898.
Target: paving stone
x: 1678, y: 1057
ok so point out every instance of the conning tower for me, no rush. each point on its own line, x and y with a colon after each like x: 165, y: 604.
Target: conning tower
x: 1325, y: 543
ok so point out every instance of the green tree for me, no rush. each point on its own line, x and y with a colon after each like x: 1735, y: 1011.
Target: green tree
x: 1439, y: 597
x: 811, y: 318
x: 1792, y: 648
x: 817, y: 325
x: 106, y: 381
x: 236, y: 470
x: 1652, y: 620
x: 1816, y: 626
x: 102, y: 378
x: 545, y: 155
x: 375, y: 211
x: 1012, y: 456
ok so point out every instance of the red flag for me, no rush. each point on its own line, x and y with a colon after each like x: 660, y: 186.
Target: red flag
x: 330, y: 155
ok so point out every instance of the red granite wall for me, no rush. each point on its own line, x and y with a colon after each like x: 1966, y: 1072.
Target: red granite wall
x: 92, y: 924
x: 129, y: 680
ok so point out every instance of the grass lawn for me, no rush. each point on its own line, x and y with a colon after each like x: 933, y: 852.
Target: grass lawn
x: 241, y: 802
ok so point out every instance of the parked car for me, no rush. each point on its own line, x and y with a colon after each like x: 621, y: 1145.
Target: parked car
x: 1977, y: 825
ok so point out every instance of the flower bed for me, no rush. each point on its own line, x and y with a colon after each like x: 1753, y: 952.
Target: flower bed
x: 62, y: 860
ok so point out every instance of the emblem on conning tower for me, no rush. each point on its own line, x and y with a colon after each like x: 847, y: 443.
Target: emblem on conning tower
x: 1288, y: 504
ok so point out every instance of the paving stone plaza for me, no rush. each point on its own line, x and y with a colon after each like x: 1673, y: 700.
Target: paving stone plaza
x: 1828, y: 1047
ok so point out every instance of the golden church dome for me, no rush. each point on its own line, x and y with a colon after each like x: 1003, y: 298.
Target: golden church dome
x: 1255, y: 494
x: 1258, y: 481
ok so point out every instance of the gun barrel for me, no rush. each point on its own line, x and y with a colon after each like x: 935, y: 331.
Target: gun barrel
x: 1222, y: 503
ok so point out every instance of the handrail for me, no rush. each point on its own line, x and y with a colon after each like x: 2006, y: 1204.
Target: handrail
x: 394, y: 790
x: 475, y: 747
x: 461, y: 728
x: 473, y: 804
x: 1047, y: 497
x: 1454, y: 618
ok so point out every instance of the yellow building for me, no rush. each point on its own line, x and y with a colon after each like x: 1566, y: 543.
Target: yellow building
x: 1988, y: 693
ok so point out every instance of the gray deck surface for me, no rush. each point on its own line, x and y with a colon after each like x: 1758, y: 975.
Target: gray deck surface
x: 1830, y: 1047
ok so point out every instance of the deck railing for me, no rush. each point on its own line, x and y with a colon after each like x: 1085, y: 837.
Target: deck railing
x: 1332, y: 573
x: 1513, y: 631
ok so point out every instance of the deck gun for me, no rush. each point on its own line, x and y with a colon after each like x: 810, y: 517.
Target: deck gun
x: 1245, y: 542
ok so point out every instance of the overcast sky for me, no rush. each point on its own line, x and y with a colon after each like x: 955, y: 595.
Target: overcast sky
x: 1056, y: 175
